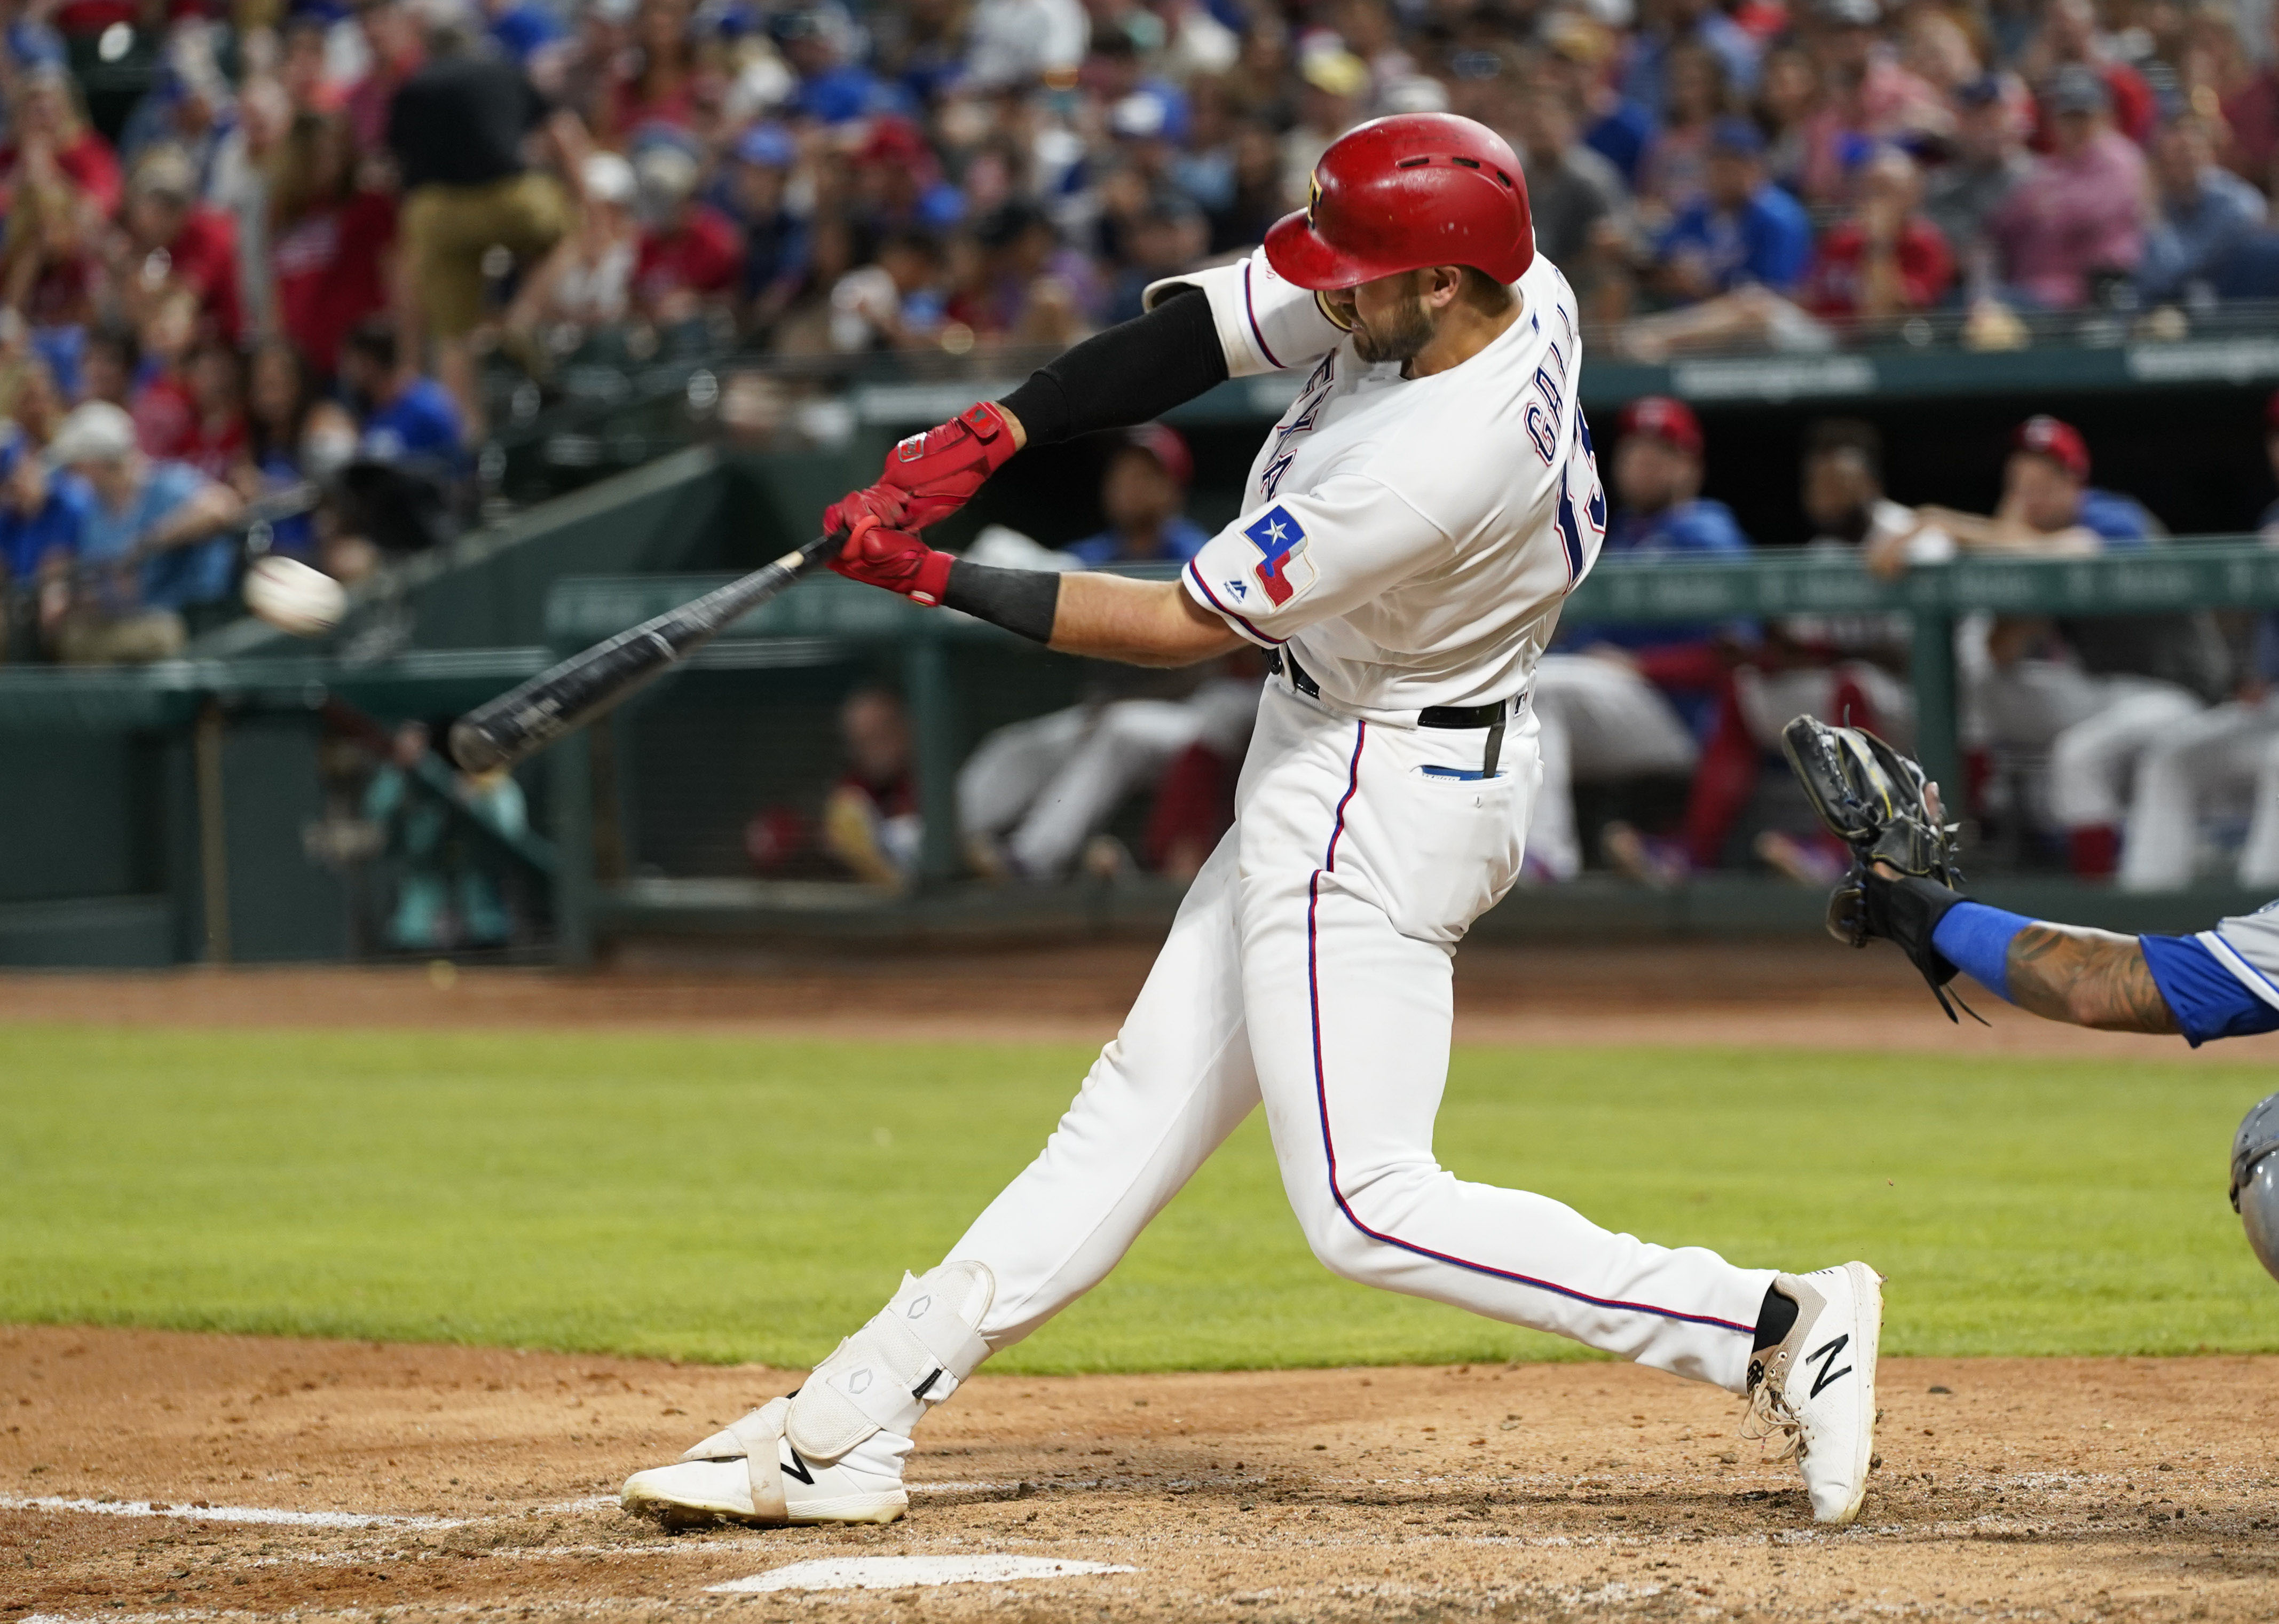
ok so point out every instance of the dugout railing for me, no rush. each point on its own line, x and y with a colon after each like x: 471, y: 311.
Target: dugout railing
x: 165, y: 814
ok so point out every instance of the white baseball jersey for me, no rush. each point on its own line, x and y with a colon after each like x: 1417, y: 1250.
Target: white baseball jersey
x: 1411, y: 539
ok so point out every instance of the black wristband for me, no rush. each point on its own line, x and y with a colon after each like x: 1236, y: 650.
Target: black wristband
x: 1023, y: 602
x: 1134, y: 372
x: 1907, y: 911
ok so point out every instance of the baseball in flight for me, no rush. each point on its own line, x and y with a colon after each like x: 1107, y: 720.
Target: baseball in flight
x: 293, y: 597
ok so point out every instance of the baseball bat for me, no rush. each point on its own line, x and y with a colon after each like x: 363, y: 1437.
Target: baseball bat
x: 524, y: 720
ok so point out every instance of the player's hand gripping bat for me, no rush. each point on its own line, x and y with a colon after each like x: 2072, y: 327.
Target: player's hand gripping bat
x: 524, y: 720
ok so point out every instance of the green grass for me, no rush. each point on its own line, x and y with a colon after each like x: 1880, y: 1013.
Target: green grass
x: 716, y: 1199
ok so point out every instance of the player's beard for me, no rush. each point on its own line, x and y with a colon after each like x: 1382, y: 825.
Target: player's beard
x: 1400, y: 339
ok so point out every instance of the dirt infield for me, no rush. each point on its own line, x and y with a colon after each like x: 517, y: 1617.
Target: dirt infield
x: 148, y: 1476
x: 2060, y: 1488
x: 1794, y: 994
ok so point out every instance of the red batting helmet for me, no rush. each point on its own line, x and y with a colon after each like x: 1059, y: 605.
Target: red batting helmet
x: 1402, y: 193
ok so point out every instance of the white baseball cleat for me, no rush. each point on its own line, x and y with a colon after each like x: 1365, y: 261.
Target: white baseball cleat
x: 834, y: 1451
x: 1817, y: 1388
x: 750, y: 1473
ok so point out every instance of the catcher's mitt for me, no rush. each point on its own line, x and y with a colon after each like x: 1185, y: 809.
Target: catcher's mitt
x: 1879, y: 803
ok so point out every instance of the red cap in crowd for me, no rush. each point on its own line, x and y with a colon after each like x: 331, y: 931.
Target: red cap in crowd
x: 1169, y: 447
x: 1664, y: 418
x: 2058, y: 440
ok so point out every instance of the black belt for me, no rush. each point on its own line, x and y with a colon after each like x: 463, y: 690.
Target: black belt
x: 1492, y: 716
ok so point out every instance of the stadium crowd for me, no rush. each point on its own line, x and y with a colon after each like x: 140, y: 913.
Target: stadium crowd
x: 280, y: 271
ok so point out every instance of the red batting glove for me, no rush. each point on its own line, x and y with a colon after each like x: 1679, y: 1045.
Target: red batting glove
x: 937, y: 473
x: 893, y: 559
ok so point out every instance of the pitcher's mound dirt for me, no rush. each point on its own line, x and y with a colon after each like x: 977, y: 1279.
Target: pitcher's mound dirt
x: 2070, y: 1488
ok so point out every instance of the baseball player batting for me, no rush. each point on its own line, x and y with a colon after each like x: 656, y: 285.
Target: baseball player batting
x: 1410, y: 529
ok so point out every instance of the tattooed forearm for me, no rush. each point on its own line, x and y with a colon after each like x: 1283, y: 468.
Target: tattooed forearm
x: 2086, y: 977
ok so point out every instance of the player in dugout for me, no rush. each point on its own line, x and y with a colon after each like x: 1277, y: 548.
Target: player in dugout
x: 1410, y: 530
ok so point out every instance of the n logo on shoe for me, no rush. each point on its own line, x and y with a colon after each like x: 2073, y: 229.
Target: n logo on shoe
x: 1826, y: 1354
x: 796, y: 1466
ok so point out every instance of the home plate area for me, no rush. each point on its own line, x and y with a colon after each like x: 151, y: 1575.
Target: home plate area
x: 150, y: 1476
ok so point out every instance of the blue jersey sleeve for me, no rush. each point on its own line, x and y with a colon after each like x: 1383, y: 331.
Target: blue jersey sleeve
x: 2207, y: 999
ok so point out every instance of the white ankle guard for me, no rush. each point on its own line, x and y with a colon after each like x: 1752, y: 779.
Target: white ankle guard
x: 910, y: 1356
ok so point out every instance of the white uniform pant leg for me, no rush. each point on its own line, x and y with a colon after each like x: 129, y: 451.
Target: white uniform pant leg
x: 1006, y: 770
x: 1359, y: 875
x: 2259, y: 859
x: 1131, y: 742
x: 1599, y: 719
x: 2090, y: 761
x: 1163, y: 1095
x: 2217, y: 751
x: 1551, y: 841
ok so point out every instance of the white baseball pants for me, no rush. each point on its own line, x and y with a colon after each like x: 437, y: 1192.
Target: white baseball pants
x: 1309, y: 969
x: 2211, y: 759
x: 1597, y: 719
x: 1054, y: 781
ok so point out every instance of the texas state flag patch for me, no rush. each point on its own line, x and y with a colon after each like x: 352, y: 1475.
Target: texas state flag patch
x: 1283, y: 571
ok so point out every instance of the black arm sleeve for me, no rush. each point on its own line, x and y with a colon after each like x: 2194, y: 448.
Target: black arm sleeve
x: 1021, y: 601
x: 1134, y: 372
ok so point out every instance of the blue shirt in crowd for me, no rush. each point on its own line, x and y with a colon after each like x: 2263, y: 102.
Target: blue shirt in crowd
x: 28, y: 538
x: 181, y: 576
x: 2114, y: 518
x: 1692, y: 531
x: 1622, y: 138
x: 1183, y: 539
x: 2190, y: 242
x: 1767, y: 241
x: 422, y: 421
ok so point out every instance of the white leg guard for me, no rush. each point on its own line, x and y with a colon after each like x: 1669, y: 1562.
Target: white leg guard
x: 911, y: 1356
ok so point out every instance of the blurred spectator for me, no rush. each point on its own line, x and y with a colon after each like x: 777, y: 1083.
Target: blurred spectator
x: 1674, y: 176
x: 46, y: 118
x: 657, y: 83
x: 1334, y: 84
x: 587, y: 282
x: 1142, y: 494
x: 817, y: 42
x: 1742, y: 231
x: 1989, y: 159
x: 215, y: 443
x: 2078, y: 218
x: 43, y: 522
x: 691, y: 257
x: 2251, y: 112
x: 2070, y: 706
x: 775, y: 247
x: 151, y: 543
x: 399, y: 493
x: 2205, y: 214
x: 456, y: 129
x: 108, y: 364
x: 1582, y: 210
x: 2070, y: 40
x: 870, y: 821
x: 1669, y: 24
x: 1884, y: 259
x: 1014, y: 42
x: 1660, y: 513
x: 404, y: 417
x: 394, y: 47
x: 278, y: 408
x: 330, y: 235
x: 895, y: 303
x: 173, y: 243
x: 446, y: 876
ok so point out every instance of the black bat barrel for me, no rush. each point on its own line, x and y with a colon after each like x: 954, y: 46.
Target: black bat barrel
x: 525, y: 720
